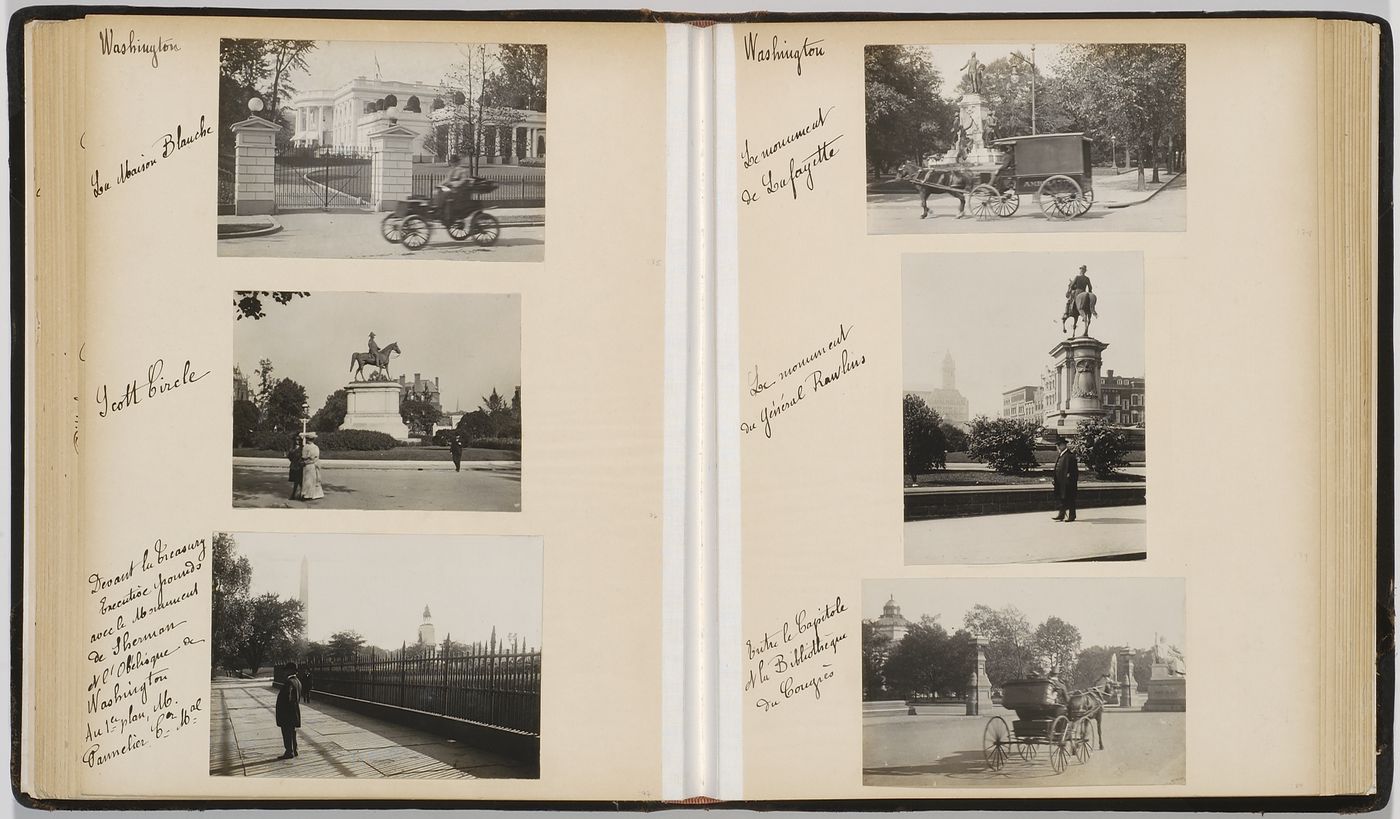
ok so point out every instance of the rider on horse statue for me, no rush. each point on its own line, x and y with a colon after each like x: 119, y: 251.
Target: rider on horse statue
x: 373, y: 348
x: 1079, y: 284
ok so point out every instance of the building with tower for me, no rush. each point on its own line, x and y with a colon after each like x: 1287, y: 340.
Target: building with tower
x: 950, y: 404
x: 427, y: 635
x: 241, y: 390
x: 891, y: 624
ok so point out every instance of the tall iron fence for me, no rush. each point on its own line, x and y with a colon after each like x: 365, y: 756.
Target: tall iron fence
x: 513, y: 191
x: 322, y: 179
x: 496, y: 686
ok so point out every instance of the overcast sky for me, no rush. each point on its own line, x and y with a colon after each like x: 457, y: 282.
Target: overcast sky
x: 378, y: 584
x: 335, y: 62
x: 470, y: 342
x: 999, y: 315
x: 949, y: 59
x: 1108, y: 611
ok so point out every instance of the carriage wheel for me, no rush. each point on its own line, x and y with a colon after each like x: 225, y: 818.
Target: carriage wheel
x: 1084, y: 741
x: 996, y: 739
x: 415, y: 232
x: 391, y: 229
x: 1029, y: 751
x: 983, y: 201
x: 1062, y: 198
x: 1008, y: 203
x: 458, y: 230
x: 485, y: 230
x: 1058, y: 736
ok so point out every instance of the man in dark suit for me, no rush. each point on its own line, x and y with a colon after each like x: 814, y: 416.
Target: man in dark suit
x: 457, y: 450
x: 1066, y: 480
x: 289, y: 711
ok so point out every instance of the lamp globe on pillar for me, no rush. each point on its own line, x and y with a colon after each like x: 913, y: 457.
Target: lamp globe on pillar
x: 305, y: 416
x: 255, y: 104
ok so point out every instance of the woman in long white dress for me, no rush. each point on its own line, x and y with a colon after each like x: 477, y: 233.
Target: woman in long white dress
x: 311, y: 470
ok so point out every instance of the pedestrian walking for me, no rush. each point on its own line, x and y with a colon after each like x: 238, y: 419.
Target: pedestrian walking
x: 306, y: 684
x: 457, y: 451
x: 311, y: 470
x: 289, y: 711
x: 294, y: 470
x: 1066, y: 480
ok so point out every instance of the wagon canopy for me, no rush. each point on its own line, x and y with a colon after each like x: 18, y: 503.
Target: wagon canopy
x: 1044, y: 155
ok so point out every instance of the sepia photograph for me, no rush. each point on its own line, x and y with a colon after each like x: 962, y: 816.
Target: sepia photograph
x: 1028, y: 138
x: 1007, y: 682
x: 425, y: 682
x: 1025, y: 408
x: 376, y: 401
x: 364, y: 150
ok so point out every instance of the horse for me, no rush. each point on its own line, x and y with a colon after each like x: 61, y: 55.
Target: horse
x: 1083, y: 304
x: 956, y: 183
x: 380, y: 361
x: 1089, y: 703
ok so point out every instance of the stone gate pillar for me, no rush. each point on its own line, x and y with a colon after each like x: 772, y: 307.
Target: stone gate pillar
x: 254, y: 151
x: 391, y: 168
x: 979, y: 695
x: 1127, y: 684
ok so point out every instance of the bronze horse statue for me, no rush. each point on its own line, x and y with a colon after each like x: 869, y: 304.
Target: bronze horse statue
x: 956, y: 183
x: 379, y: 361
x: 1082, y: 304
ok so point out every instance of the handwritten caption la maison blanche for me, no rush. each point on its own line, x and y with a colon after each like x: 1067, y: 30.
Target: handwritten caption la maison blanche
x: 171, y: 143
x: 795, y: 659
x: 799, y: 381
x: 141, y: 617
x: 763, y: 180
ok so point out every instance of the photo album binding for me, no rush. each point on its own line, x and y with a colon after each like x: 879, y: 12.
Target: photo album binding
x: 622, y: 410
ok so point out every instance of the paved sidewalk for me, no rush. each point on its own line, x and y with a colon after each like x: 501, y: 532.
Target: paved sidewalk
x: 407, y: 485
x: 244, y: 740
x: 356, y: 235
x: 1029, y: 537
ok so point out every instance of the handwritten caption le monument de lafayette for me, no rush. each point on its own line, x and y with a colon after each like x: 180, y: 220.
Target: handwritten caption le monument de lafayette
x: 795, y: 659
x: 798, y: 381
x: 804, y: 147
x: 140, y: 616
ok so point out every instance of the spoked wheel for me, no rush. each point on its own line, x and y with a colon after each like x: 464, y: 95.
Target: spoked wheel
x: 1028, y: 750
x: 1084, y: 741
x: 1062, y: 198
x: 1058, y: 738
x: 983, y: 201
x: 415, y: 233
x: 391, y: 229
x: 996, y: 740
x: 1008, y: 203
x: 485, y: 229
x: 458, y: 230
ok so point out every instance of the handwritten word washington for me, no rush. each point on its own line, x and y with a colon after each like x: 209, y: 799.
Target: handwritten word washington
x: 164, y: 147
x: 110, y: 44
x: 779, y: 50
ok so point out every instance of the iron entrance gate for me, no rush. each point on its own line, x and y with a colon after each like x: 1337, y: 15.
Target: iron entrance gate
x: 322, y: 179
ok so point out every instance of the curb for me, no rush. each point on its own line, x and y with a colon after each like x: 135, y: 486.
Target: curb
x: 1149, y: 197
x: 339, y: 463
x: 275, y: 227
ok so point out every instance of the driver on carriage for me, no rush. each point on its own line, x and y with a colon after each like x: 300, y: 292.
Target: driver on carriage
x: 445, y: 195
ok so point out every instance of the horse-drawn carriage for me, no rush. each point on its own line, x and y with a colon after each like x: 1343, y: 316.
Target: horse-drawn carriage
x: 1047, y: 715
x: 1054, y: 168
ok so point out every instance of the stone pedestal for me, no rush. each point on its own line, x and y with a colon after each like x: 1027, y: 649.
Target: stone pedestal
x: 255, y: 151
x: 979, y: 695
x: 374, y: 405
x: 1070, y: 389
x: 972, y: 116
x: 1127, y: 684
x: 391, y: 167
x: 1165, y: 691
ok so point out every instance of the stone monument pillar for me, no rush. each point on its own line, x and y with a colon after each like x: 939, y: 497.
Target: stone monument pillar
x: 254, y: 151
x: 979, y: 696
x: 374, y: 405
x: 1127, y: 684
x: 1166, y: 691
x: 1072, y: 394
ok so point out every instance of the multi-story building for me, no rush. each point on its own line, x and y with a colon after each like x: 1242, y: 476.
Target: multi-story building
x: 891, y: 624
x: 1021, y: 403
x: 241, y: 390
x: 1125, y: 399
x: 950, y: 404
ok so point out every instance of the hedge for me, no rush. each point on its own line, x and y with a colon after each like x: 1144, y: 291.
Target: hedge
x: 345, y: 440
x: 511, y: 444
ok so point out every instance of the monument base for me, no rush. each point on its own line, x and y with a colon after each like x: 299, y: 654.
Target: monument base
x: 1071, y: 387
x: 1166, y: 694
x: 374, y: 406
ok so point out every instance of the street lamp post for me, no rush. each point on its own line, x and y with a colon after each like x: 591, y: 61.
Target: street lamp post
x: 1031, y: 63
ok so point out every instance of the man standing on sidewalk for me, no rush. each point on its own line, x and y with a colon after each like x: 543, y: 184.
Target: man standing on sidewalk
x: 1066, y: 480
x: 457, y: 451
x: 289, y: 711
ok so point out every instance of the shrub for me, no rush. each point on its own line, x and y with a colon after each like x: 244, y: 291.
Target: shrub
x: 511, y: 444
x: 924, y: 446
x: 443, y: 437
x: 349, y: 440
x: 1005, y: 444
x: 1101, y: 447
x: 245, y: 422
x: 531, y: 162
x: 277, y: 441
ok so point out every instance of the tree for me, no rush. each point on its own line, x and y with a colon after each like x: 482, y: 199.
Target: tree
x: 1056, y: 645
x: 473, y: 117
x: 1101, y: 447
x: 284, y: 407
x: 419, y: 415
x: 249, y: 303
x: 274, y: 625
x: 1005, y: 444
x: 1008, y: 633
x: 232, y: 575
x: 930, y: 662
x: 924, y: 445
x: 265, y: 384
x: 875, y: 650
x: 285, y: 59
x: 245, y: 422
x: 1091, y: 664
x: 520, y: 81
x: 905, y: 118
x: 1006, y: 91
x: 954, y: 437
x: 345, y: 645
x: 331, y: 414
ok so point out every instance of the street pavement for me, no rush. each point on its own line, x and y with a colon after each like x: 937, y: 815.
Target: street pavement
x: 1027, y: 537
x: 899, y: 213
x: 355, y: 235
x: 1140, y: 748
x: 481, y: 486
x: 333, y: 742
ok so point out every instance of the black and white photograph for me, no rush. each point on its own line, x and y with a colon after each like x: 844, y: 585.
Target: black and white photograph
x: 376, y: 401
x: 364, y: 150
x: 1007, y: 682
x: 1025, y: 408
x: 359, y: 656
x: 1025, y: 138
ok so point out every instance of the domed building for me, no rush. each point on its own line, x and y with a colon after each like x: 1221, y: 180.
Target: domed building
x: 892, y: 624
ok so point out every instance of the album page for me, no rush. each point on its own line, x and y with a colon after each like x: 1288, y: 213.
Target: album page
x: 957, y: 558
x: 368, y: 414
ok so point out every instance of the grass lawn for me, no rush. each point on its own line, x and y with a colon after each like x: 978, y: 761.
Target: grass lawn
x: 964, y: 477
x: 398, y: 453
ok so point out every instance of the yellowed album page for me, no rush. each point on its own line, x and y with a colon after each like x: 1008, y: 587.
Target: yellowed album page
x: 462, y: 557
x: 910, y: 625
